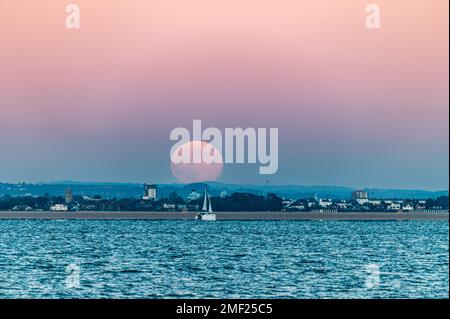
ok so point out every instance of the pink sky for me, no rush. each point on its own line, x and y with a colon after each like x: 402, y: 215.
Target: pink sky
x: 137, y: 69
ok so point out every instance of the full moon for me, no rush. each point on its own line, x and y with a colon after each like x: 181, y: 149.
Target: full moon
x: 206, y: 170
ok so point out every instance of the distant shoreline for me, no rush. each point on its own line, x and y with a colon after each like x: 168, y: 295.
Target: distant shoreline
x: 225, y: 216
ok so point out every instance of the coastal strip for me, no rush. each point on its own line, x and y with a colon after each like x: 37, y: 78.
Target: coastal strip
x: 227, y: 215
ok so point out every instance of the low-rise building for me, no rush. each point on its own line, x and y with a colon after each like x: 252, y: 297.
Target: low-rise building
x: 169, y: 206
x: 287, y: 202
x: 23, y: 208
x: 394, y: 206
x: 408, y: 207
x: 342, y: 205
x: 59, y: 208
x: 325, y: 203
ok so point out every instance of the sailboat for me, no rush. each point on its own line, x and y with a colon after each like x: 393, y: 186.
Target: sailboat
x: 206, y: 213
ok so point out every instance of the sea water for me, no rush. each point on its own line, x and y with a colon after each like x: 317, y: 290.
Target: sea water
x: 223, y: 259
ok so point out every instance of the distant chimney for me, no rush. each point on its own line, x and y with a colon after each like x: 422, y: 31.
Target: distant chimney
x: 68, y: 196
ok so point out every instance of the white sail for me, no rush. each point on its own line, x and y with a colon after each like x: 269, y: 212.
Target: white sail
x: 210, y: 206
x: 206, y: 213
x: 205, y: 202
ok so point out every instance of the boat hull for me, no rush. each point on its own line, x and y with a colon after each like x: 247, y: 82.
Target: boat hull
x: 206, y: 217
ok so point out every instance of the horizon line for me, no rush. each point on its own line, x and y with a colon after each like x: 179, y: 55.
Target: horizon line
x: 62, y: 182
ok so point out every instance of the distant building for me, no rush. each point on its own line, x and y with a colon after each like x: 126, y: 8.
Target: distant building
x: 287, y: 202
x: 24, y: 208
x: 294, y: 205
x: 311, y: 203
x: 150, y: 191
x: 360, y: 196
x: 342, y: 204
x: 169, y: 206
x: 408, y: 207
x: 420, y: 205
x: 59, y: 208
x: 325, y: 202
x: 394, y: 206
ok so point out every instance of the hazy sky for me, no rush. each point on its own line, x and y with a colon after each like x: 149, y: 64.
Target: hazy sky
x: 354, y: 106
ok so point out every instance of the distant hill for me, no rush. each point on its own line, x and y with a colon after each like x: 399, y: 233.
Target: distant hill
x: 120, y: 190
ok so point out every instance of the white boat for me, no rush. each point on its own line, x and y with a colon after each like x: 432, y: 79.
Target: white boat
x: 206, y: 213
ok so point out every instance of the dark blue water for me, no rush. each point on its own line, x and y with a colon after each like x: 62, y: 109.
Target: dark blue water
x: 226, y: 259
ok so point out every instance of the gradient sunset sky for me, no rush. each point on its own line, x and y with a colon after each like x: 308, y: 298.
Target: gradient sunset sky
x: 354, y: 106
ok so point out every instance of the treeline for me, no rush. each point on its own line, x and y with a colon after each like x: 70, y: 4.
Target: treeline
x: 246, y: 202
x: 234, y: 202
x: 441, y: 201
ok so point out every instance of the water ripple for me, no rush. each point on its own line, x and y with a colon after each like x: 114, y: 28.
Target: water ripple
x: 229, y: 259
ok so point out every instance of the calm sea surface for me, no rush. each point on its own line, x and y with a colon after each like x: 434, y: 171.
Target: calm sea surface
x: 224, y: 259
